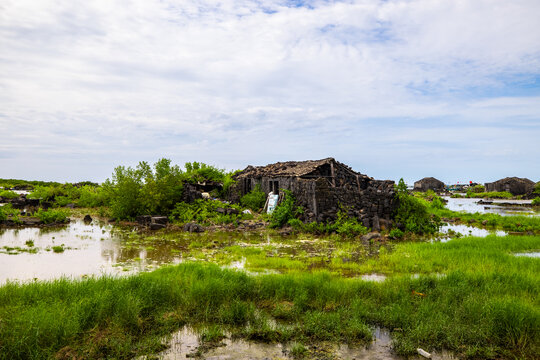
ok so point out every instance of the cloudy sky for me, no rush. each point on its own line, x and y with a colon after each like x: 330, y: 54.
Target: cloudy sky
x: 395, y: 88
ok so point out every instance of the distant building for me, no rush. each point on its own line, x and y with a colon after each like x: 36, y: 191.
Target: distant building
x: 513, y: 185
x: 321, y: 187
x: 429, y: 183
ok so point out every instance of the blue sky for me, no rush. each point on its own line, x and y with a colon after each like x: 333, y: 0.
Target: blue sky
x: 409, y: 88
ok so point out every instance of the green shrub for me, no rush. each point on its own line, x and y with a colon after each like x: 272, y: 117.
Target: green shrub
x: 284, y: 212
x: 536, y: 201
x: 91, y: 196
x: 255, y: 199
x: 8, y: 194
x: 537, y: 188
x: 205, y: 212
x: 348, y: 226
x: 144, y: 190
x: 396, y: 234
x: 413, y: 213
x: 52, y: 216
x: 437, y: 203
x: 477, y: 189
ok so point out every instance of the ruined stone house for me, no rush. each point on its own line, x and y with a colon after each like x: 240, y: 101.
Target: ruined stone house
x: 429, y: 183
x: 513, y: 185
x: 321, y: 187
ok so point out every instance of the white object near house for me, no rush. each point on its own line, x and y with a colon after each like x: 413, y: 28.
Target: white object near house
x: 424, y: 353
x: 272, y: 202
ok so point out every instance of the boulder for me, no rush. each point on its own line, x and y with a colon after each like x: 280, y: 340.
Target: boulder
x: 87, y: 218
x: 144, y: 219
x: 193, y: 227
x: 371, y: 236
x: 156, y: 226
x: 160, y: 220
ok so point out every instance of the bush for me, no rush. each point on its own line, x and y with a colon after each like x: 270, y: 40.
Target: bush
x: 205, y: 212
x: 437, y: 203
x: 396, y: 234
x: 91, y: 196
x: 255, y: 199
x: 284, y: 212
x: 347, y: 226
x: 536, y: 201
x: 144, y: 190
x: 413, y: 213
x: 52, y: 216
x: 8, y: 194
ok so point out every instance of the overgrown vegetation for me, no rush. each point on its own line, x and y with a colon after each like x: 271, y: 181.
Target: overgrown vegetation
x: 491, y: 195
x: 8, y: 194
x: 412, y: 213
x: 254, y: 200
x: 52, y: 216
x: 284, y: 211
x: 207, y: 212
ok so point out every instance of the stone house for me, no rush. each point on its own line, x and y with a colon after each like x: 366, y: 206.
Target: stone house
x: 513, y: 185
x: 429, y: 183
x: 321, y: 188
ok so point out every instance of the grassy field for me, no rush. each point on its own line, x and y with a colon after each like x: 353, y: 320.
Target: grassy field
x: 470, y: 295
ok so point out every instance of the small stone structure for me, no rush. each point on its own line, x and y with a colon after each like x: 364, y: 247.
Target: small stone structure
x: 321, y: 187
x: 513, y: 185
x: 429, y: 183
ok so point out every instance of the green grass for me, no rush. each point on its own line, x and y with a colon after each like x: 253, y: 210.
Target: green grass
x: 520, y: 223
x: 491, y: 195
x: 485, y: 305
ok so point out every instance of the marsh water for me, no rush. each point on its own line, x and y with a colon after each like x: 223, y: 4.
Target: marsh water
x: 471, y: 205
x: 81, y: 249
x: 78, y: 250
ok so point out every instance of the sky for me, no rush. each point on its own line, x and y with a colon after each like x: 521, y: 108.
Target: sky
x: 404, y: 88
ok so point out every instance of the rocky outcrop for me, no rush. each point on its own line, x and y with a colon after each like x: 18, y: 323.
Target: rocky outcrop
x: 513, y: 185
x: 429, y: 183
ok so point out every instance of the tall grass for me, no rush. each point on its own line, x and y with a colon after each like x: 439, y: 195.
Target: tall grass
x: 485, y: 306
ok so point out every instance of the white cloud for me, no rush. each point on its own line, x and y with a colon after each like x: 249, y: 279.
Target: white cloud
x: 256, y: 81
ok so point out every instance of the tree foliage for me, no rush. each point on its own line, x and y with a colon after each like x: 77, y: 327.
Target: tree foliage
x: 144, y: 190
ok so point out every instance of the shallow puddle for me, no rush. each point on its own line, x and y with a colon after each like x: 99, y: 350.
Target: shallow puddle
x: 185, y: 343
x: 530, y: 254
x: 464, y: 230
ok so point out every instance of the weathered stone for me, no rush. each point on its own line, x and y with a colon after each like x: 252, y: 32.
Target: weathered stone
x: 143, y: 219
x: 156, y: 226
x: 371, y: 236
x: 193, y: 227
x: 376, y: 226
x: 190, y: 193
x: 160, y: 220
x: 87, y: 219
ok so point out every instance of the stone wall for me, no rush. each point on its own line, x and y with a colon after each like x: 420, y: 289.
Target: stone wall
x: 370, y: 201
